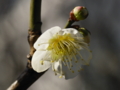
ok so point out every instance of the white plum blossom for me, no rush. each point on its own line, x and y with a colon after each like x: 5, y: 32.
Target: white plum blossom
x: 61, y: 49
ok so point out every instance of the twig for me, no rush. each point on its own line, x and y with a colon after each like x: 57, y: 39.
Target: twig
x: 29, y: 76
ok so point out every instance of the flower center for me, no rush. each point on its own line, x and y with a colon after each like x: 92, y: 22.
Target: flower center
x: 65, y: 48
x: 60, y: 46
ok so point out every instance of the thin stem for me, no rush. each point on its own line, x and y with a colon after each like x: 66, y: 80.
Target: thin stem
x: 69, y: 23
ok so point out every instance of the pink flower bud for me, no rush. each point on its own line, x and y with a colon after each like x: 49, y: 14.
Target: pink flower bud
x: 79, y: 13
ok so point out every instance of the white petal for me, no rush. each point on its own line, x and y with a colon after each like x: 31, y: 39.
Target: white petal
x: 68, y: 73
x: 72, y: 31
x: 57, y: 66
x: 86, y: 54
x: 42, y: 47
x: 46, y: 36
x: 37, y: 57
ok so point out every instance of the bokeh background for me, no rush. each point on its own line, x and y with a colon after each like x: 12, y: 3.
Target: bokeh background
x: 103, y: 22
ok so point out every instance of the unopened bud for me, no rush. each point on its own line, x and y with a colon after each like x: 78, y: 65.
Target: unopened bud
x: 80, y: 13
x: 86, y: 34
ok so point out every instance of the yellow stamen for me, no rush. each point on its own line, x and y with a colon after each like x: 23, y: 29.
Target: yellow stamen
x: 41, y: 62
x: 72, y: 71
x: 60, y: 76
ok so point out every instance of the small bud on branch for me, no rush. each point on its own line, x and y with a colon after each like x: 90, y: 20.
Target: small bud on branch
x: 79, y: 13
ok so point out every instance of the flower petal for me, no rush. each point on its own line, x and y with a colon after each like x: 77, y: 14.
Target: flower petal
x: 68, y: 74
x: 72, y: 31
x: 37, y: 58
x: 86, y: 54
x: 46, y: 36
x: 57, y: 66
x: 73, y: 72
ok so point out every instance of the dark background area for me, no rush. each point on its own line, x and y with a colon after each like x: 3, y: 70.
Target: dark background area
x: 103, y: 22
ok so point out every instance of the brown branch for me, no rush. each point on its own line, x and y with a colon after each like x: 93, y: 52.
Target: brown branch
x: 29, y: 76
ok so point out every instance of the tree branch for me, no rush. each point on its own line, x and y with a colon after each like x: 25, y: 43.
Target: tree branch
x: 29, y: 76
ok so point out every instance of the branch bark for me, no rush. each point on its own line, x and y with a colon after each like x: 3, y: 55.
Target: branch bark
x: 29, y: 76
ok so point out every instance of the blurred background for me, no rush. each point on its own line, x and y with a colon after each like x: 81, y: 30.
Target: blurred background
x: 103, y: 22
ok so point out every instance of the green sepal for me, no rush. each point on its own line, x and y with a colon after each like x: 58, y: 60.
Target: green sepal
x: 84, y: 31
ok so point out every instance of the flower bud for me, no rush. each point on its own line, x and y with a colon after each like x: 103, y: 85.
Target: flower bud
x: 80, y: 13
x: 86, y: 34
